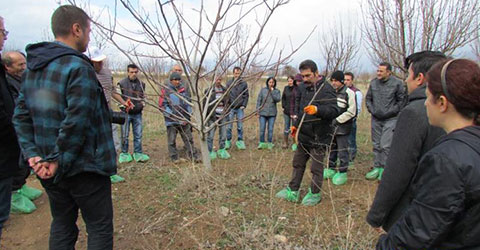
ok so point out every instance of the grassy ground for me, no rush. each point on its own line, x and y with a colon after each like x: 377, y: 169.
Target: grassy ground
x: 166, y: 206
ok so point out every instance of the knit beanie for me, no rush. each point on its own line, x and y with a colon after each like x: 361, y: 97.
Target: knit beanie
x: 338, y: 75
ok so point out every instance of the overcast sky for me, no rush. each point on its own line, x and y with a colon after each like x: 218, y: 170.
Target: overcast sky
x: 28, y: 21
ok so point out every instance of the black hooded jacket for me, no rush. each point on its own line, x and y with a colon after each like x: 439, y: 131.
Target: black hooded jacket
x: 9, y: 148
x: 445, y: 210
x: 316, y: 130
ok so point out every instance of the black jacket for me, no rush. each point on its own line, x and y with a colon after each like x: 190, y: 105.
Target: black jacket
x: 9, y: 147
x: 316, y: 130
x: 385, y: 99
x: 238, y: 93
x: 445, y: 210
x: 288, y: 99
x: 413, y: 137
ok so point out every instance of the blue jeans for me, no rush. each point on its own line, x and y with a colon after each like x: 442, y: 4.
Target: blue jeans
x: 91, y: 194
x: 288, y: 122
x: 137, y: 129
x: 5, y: 200
x: 239, y: 114
x: 263, y: 122
x: 221, y: 136
x: 352, y: 141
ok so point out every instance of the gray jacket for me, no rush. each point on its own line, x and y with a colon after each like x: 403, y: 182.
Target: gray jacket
x: 270, y: 99
x: 385, y: 99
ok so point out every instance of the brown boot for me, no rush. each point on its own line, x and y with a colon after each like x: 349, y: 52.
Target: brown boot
x: 285, y: 141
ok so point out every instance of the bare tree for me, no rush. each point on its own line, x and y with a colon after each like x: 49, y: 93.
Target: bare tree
x: 339, y: 46
x: 206, y: 40
x: 393, y: 29
x: 476, y: 44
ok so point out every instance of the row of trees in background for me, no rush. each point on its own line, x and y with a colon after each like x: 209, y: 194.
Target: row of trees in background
x: 189, y: 37
x: 391, y: 30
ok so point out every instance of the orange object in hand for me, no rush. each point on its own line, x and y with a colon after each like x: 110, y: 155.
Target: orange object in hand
x: 310, y: 109
x: 129, y: 105
x: 293, y: 131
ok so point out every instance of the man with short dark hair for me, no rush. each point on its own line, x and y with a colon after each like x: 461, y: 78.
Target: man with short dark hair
x: 63, y: 126
x: 316, y: 108
x: 412, y: 138
x: 22, y: 194
x: 352, y: 138
x: 9, y: 149
x: 385, y: 98
x: 133, y: 89
x: 238, y: 103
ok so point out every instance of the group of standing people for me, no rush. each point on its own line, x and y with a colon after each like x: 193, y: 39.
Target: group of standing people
x: 426, y: 138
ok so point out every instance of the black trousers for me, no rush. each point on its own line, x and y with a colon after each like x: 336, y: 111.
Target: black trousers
x: 5, y: 200
x: 300, y: 158
x: 19, y: 179
x: 339, y: 150
x: 185, y: 132
x: 89, y: 192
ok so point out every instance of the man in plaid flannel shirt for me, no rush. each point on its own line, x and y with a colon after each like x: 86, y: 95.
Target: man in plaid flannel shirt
x: 63, y: 126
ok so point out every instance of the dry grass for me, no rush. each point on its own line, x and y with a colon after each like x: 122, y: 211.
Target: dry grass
x: 166, y: 206
x: 234, y: 206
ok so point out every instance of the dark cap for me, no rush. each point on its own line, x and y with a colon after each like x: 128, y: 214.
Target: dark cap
x: 175, y: 76
x: 338, y: 75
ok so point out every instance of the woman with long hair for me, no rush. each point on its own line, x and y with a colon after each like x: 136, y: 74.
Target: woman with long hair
x: 289, y: 113
x: 445, y: 209
x: 267, y: 111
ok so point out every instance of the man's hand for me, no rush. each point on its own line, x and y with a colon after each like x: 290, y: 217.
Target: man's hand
x: 310, y: 109
x: 293, y: 131
x: 242, y: 107
x: 47, y: 170
x: 35, y: 163
x: 44, y: 169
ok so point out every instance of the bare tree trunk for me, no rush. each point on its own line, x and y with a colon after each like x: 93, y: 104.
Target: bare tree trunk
x: 207, y: 163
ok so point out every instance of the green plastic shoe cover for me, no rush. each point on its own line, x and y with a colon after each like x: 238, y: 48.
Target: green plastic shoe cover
x: 223, y: 154
x: 116, y: 178
x: 339, y: 178
x: 311, y: 199
x: 228, y: 144
x: 288, y: 194
x: 30, y: 192
x: 328, y: 173
x: 262, y: 145
x: 373, y: 174
x: 124, y: 158
x: 213, y: 155
x: 240, y: 145
x: 21, y: 204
